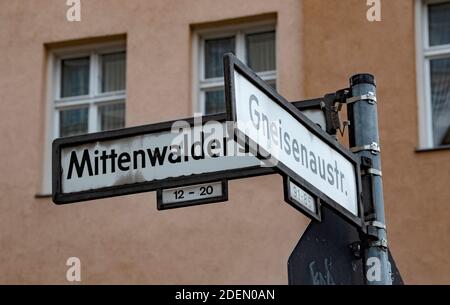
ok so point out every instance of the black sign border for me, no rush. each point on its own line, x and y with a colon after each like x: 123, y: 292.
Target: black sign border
x: 162, y: 206
x: 64, y: 198
x: 287, y: 197
x: 233, y: 64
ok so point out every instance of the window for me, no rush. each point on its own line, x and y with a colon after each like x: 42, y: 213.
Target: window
x: 434, y: 72
x: 254, y: 45
x: 89, y: 91
x: 86, y: 93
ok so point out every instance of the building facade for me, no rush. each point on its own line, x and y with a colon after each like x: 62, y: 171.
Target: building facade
x: 129, y: 63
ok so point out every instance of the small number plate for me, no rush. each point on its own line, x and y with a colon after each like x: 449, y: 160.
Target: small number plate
x: 301, y: 200
x: 189, y: 195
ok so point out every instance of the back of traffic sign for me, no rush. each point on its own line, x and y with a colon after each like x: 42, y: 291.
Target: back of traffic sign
x: 323, y: 255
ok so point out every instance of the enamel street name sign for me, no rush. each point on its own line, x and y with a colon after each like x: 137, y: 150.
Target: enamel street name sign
x: 148, y: 158
x: 279, y: 134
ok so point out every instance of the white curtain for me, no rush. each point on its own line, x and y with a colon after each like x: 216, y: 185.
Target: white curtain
x: 261, y: 51
x: 113, y: 72
x: 440, y: 100
x: 214, y: 50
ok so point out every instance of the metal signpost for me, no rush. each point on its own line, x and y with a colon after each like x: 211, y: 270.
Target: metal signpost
x: 189, y: 162
x: 364, y: 140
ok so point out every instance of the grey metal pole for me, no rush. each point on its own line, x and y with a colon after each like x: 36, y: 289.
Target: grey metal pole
x: 364, y: 141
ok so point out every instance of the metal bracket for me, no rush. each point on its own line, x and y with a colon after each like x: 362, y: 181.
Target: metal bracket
x: 331, y: 113
x: 356, y: 249
x: 374, y: 148
x: 376, y: 224
x: 378, y: 243
x: 367, y: 169
x: 369, y: 97
x: 344, y: 125
x: 373, y: 234
x: 371, y: 171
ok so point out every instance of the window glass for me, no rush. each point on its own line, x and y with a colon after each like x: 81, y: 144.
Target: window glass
x: 214, y: 101
x: 75, y: 77
x: 113, y: 72
x: 214, y: 50
x: 439, y: 24
x: 256, y: 49
x: 261, y: 51
x: 73, y: 122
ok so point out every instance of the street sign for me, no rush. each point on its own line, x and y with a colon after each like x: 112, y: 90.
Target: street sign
x: 323, y: 255
x: 148, y: 158
x: 282, y: 136
x: 190, y: 195
x: 301, y: 199
x: 84, y: 184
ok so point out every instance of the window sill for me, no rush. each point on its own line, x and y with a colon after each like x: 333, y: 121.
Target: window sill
x: 439, y: 148
x: 40, y: 196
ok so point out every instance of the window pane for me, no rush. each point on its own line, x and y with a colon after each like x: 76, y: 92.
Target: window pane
x: 113, y: 72
x: 214, y: 50
x: 214, y: 101
x: 74, y: 77
x: 440, y: 100
x: 73, y: 122
x: 261, y: 51
x: 111, y: 116
x: 439, y: 23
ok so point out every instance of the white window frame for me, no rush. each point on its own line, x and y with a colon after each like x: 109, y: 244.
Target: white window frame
x: 200, y: 84
x: 94, y: 99
x: 424, y: 54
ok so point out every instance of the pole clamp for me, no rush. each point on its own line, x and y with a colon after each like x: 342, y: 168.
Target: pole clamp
x: 374, y: 148
x: 371, y: 171
x: 369, y: 97
x: 378, y: 243
x: 376, y: 224
x: 373, y: 228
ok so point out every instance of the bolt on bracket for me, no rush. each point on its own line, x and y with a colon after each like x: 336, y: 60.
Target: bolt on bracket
x: 374, y: 148
x: 369, y: 97
x: 372, y: 171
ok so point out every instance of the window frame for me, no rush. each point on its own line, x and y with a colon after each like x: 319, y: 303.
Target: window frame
x: 425, y: 53
x: 94, y: 99
x: 239, y: 31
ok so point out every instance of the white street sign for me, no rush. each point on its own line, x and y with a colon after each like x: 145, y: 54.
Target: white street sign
x: 147, y: 158
x: 142, y: 158
x: 296, y: 146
